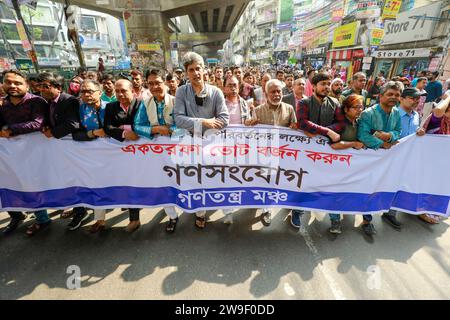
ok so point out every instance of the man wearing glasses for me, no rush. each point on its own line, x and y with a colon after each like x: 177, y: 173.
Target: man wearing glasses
x: 199, y: 107
x: 410, y: 121
x: 119, y: 122
x: 155, y: 117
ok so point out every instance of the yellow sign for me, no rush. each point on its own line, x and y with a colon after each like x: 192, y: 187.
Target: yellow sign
x: 148, y: 47
x: 391, y: 9
x: 345, y: 36
x: 376, y: 35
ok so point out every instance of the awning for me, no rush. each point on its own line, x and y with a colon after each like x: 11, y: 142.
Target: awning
x: 346, y: 54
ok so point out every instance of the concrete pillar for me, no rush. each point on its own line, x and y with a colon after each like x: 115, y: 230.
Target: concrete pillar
x: 147, y: 35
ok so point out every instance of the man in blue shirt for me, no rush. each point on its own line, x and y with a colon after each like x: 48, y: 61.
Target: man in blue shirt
x: 410, y: 121
x: 409, y: 116
x: 380, y: 127
x: 434, y: 87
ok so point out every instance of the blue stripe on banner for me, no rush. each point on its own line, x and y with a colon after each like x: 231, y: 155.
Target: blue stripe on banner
x: 154, y: 197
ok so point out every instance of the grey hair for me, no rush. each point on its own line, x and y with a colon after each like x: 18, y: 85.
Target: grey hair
x: 359, y: 74
x: 298, y: 80
x: 390, y: 85
x: 192, y: 57
x: 97, y: 85
x: 273, y: 83
x: 128, y: 82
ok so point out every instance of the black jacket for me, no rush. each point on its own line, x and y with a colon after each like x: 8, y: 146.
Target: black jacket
x: 116, y: 117
x: 65, y: 116
x: 290, y: 99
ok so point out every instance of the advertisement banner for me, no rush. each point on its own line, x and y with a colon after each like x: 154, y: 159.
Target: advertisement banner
x: 346, y: 35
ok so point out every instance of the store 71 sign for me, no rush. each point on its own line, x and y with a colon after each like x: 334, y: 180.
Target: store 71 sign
x: 407, y: 53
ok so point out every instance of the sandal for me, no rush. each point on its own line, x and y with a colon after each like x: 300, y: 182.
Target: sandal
x: 428, y: 219
x: 200, y: 222
x: 67, y: 214
x: 170, y: 227
x: 36, y: 227
x: 96, y: 227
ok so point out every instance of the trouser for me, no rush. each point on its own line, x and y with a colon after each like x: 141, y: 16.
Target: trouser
x: 337, y: 217
x: 134, y: 214
x: 229, y: 211
x: 201, y: 214
x: 170, y: 211
x: 100, y: 214
x: 41, y: 216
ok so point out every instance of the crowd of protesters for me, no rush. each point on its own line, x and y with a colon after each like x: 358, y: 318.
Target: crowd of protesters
x: 351, y: 114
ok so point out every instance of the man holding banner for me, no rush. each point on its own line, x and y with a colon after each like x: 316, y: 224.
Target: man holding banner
x: 275, y: 113
x: 198, y: 107
x: 20, y: 113
x: 119, y: 121
x: 319, y: 114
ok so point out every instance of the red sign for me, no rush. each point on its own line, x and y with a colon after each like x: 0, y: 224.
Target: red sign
x: 358, y: 53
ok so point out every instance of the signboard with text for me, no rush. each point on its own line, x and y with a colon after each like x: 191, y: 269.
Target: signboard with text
x: 346, y: 35
x: 412, y: 25
x: 406, y: 53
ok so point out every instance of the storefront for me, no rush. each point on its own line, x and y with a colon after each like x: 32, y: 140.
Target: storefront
x: 345, y: 55
x: 410, y: 42
x: 393, y: 62
x: 347, y: 61
x: 315, y: 57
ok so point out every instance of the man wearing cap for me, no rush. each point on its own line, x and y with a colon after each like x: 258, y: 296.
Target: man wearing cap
x: 409, y: 101
x: 410, y: 125
x: 337, y: 86
x: 179, y: 72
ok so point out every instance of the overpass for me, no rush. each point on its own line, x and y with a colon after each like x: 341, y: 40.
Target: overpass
x: 151, y: 28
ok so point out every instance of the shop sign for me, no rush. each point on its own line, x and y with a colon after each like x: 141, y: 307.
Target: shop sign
x: 23, y: 36
x: 346, y: 35
x: 148, y: 47
x: 49, y: 62
x: 4, y: 64
x: 376, y: 36
x: 412, y: 25
x: 368, y: 9
x: 434, y: 64
x: 391, y: 9
x: 399, y: 54
x: 358, y: 53
x: 315, y: 51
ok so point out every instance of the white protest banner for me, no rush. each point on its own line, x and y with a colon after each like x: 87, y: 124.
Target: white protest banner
x: 239, y: 167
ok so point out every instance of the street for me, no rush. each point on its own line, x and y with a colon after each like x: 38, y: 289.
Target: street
x: 242, y: 261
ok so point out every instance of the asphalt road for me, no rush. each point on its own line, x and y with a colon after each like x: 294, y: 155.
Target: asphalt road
x: 241, y: 261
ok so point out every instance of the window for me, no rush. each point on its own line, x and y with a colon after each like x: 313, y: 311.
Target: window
x: 88, y: 23
x: 40, y: 15
x: 5, y: 12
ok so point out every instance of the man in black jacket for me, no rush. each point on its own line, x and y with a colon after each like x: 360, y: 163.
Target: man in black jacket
x: 63, y: 108
x: 119, y: 120
x: 62, y: 121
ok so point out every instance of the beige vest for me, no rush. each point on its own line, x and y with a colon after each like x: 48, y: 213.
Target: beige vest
x: 150, y: 106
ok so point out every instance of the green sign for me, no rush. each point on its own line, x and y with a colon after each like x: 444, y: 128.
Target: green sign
x: 286, y: 10
x: 24, y: 64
